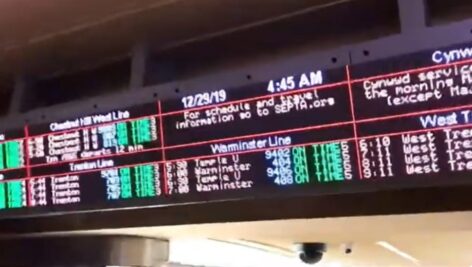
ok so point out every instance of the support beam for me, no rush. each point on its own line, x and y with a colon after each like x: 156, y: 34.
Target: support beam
x: 139, y: 62
x: 414, y: 15
x: 21, y: 94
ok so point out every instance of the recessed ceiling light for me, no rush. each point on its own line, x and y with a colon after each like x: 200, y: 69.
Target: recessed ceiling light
x: 397, y: 251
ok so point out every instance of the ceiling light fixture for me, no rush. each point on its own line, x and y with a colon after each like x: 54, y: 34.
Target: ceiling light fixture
x: 397, y: 251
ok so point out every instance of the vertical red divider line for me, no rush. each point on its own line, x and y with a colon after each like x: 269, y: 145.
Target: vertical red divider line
x: 161, y: 130
x: 354, y: 124
x: 27, y: 165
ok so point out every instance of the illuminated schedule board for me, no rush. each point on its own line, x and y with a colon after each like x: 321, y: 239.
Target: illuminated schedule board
x: 395, y: 123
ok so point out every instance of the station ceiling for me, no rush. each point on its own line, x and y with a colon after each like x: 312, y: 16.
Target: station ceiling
x: 429, y: 239
x: 50, y: 35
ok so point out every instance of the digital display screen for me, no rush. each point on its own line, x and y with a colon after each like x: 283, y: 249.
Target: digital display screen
x: 399, y: 122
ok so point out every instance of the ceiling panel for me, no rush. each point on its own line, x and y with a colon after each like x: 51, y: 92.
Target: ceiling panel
x: 45, y: 35
x: 25, y: 20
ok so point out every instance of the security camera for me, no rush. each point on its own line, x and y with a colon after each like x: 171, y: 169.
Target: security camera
x: 348, y: 248
x: 310, y: 253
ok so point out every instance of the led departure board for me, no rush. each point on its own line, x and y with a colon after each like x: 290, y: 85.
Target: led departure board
x: 395, y: 123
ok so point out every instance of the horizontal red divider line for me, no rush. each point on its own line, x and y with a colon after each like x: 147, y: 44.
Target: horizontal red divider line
x: 418, y: 131
x: 251, y: 99
x: 411, y: 71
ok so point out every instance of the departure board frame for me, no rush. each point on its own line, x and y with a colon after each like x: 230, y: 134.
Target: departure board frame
x: 349, y: 60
